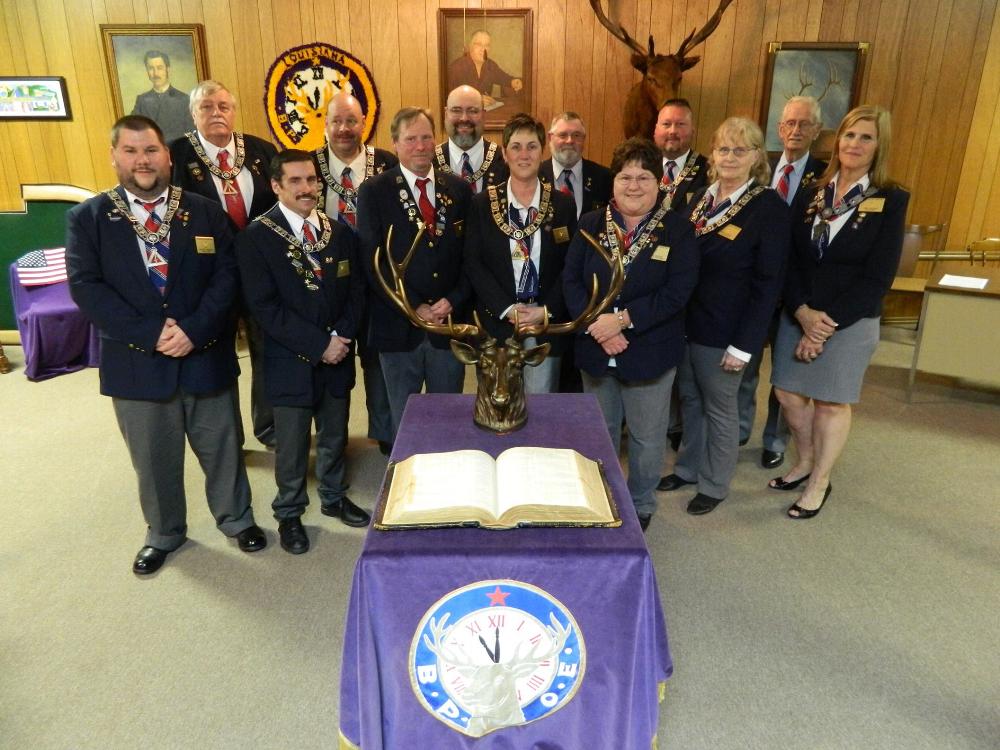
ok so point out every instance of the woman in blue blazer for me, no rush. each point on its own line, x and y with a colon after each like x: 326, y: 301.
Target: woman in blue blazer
x: 742, y: 230
x: 847, y: 234
x: 629, y: 354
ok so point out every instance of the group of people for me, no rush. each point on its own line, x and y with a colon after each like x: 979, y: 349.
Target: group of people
x: 718, y: 256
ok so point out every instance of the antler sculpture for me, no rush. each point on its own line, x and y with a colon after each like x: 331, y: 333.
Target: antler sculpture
x: 500, y: 403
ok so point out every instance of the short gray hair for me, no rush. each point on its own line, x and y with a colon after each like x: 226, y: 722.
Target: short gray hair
x: 567, y: 116
x: 810, y: 101
x: 207, y: 88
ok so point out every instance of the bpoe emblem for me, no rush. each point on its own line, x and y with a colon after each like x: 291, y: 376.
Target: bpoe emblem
x: 300, y: 85
x: 496, y: 654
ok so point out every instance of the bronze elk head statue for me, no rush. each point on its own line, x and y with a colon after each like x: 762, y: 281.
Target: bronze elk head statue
x: 661, y: 74
x: 501, y: 406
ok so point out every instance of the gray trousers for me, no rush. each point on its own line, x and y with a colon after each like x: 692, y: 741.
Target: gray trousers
x: 776, y: 431
x: 406, y: 373
x: 545, y: 377
x: 710, y: 447
x: 155, y: 433
x: 645, y: 404
x: 292, y: 429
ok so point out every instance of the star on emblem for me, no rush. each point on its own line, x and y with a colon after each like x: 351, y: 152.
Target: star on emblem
x: 498, y: 598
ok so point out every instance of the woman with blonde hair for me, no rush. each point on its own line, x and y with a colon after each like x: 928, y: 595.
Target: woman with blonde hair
x: 847, y: 234
x: 742, y: 232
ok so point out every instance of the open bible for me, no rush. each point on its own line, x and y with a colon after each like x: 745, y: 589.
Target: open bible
x: 523, y: 487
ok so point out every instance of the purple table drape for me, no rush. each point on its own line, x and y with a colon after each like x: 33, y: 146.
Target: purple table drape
x: 604, y: 576
x: 55, y: 335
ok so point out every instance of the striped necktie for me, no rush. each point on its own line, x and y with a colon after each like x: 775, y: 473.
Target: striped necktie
x: 784, y: 182
x: 158, y: 254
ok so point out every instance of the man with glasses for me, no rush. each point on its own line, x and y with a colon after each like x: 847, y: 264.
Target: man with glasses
x: 800, y: 125
x: 466, y: 153
x: 684, y: 169
x: 587, y: 182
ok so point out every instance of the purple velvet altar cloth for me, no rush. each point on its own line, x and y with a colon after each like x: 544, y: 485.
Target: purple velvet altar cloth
x: 55, y: 335
x: 604, y: 576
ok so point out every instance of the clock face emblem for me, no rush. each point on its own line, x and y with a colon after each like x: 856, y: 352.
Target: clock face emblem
x: 496, y: 654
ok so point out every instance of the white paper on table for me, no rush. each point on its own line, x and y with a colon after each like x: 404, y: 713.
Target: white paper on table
x: 966, y: 282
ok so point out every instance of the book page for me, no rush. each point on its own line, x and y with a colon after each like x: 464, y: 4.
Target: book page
x: 539, y: 476
x: 431, y: 481
x: 965, y: 282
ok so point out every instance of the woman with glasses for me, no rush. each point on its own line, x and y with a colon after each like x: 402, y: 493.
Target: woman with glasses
x: 516, y: 238
x: 742, y: 234
x: 629, y: 354
x: 847, y: 235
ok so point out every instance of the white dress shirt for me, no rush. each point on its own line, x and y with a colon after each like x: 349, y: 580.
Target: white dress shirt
x: 476, y: 156
x: 244, y: 180
x: 794, y: 178
x: 535, y: 239
x: 359, y: 169
x: 142, y: 214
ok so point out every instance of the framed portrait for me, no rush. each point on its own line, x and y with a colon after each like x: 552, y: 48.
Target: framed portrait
x: 489, y: 50
x: 152, y: 69
x: 830, y: 72
x: 34, y: 99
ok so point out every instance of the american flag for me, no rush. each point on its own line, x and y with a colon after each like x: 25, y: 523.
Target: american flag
x: 40, y: 267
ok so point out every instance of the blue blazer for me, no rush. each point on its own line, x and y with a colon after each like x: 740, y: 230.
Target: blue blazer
x: 814, y: 168
x: 596, y: 184
x: 297, y: 322
x: 741, y: 277
x: 109, y: 282
x: 655, y: 293
x: 435, y: 270
x: 857, y: 268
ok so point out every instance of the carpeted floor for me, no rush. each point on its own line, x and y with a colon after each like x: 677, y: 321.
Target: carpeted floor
x: 872, y: 626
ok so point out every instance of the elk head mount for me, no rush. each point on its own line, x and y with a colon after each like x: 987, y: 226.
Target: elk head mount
x: 501, y: 406
x: 661, y: 74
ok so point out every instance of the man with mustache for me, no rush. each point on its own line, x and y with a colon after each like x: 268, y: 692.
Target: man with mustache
x: 304, y: 287
x: 466, y: 153
x: 152, y: 266
x: 685, y: 171
x: 587, y: 182
x: 343, y: 163
x: 232, y: 169
x: 163, y: 104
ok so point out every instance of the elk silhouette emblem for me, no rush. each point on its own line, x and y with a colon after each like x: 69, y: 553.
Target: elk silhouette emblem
x: 500, y: 401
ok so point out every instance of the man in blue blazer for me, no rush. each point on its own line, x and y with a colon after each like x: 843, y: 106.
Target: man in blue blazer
x: 304, y: 288
x: 407, y: 197
x: 586, y: 181
x: 152, y: 266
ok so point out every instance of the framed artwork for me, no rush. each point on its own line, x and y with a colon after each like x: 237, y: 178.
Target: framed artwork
x: 830, y: 72
x: 34, y: 99
x: 489, y: 50
x: 152, y: 69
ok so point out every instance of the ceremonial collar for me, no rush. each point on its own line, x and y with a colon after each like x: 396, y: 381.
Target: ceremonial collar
x: 830, y: 213
x: 498, y: 207
x: 443, y: 165
x: 690, y: 169
x: 331, y: 180
x: 150, y: 238
x: 296, y: 247
x: 613, y: 229
x: 730, y: 213
x: 194, y: 138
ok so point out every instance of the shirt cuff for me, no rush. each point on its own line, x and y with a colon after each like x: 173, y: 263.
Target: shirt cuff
x: 505, y: 313
x: 741, y: 355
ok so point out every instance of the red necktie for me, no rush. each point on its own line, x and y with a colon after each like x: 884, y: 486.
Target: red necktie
x: 310, y: 240
x: 567, y: 183
x: 784, y: 182
x: 668, y: 176
x: 345, y: 209
x: 158, y: 254
x: 426, y: 209
x: 235, y: 206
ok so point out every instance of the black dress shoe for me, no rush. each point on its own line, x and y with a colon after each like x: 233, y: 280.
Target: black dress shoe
x: 384, y: 448
x: 771, y: 459
x: 644, y: 521
x: 149, y: 560
x: 798, y: 513
x: 251, y: 539
x: 671, y: 482
x: 778, y: 483
x: 701, y: 504
x: 293, y: 536
x: 744, y: 441
x: 347, y: 512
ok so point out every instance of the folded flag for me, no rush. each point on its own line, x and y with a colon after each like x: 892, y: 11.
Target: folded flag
x: 41, y: 267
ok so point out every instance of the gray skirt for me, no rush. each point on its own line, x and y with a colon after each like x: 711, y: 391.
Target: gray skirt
x: 836, y: 374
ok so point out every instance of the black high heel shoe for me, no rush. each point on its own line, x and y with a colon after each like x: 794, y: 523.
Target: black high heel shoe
x: 801, y: 512
x: 780, y: 484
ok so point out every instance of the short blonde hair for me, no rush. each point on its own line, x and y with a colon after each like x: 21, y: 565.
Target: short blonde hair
x: 878, y: 173
x: 740, y: 129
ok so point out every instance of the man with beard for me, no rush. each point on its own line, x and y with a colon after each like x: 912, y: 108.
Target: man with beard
x: 587, y: 182
x: 685, y: 171
x: 466, y: 153
x: 304, y: 286
x: 230, y: 168
x: 163, y: 104
x: 343, y: 164
x: 152, y: 266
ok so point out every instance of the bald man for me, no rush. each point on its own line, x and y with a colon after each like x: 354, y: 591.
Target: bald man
x: 466, y: 153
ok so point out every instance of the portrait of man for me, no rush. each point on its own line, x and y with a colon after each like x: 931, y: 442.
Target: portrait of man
x: 163, y: 104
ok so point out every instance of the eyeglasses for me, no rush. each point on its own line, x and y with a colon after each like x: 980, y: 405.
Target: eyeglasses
x: 574, y: 135
x: 459, y: 111
x: 800, y: 124
x: 739, y: 152
x: 223, y: 107
x: 643, y: 180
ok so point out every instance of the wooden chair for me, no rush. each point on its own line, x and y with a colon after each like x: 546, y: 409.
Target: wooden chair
x: 919, y: 241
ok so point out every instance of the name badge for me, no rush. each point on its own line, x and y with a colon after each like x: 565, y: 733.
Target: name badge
x: 459, y: 227
x: 730, y: 231
x: 661, y: 252
x: 205, y: 245
x: 560, y: 234
x: 872, y: 205
x: 343, y: 268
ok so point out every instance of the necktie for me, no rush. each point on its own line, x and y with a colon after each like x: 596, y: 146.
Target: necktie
x: 309, y: 240
x: 784, y: 183
x: 830, y: 212
x: 235, y: 206
x: 527, y: 283
x: 670, y: 174
x: 711, y: 210
x: 346, y: 209
x: 567, y: 182
x: 426, y: 208
x: 157, y: 255
x: 467, y: 171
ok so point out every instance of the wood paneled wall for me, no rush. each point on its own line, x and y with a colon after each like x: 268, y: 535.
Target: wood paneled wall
x: 934, y: 63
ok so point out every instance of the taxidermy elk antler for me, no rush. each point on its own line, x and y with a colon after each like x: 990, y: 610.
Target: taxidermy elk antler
x: 661, y: 74
x: 500, y: 401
